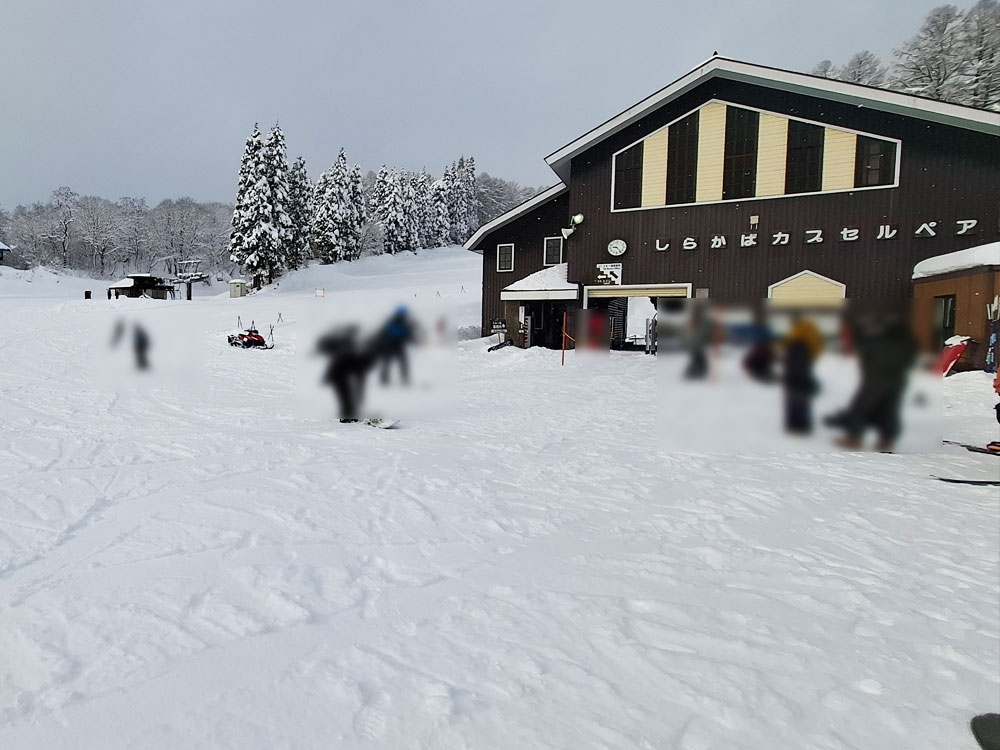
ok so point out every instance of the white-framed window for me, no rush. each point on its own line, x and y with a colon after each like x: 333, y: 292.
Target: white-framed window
x: 552, y: 251
x: 505, y: 257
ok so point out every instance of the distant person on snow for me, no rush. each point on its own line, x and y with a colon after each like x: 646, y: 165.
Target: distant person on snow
x: 391, y: 341
x: 140, y: 343
x: 347, y: 371
x: 802, y: 348
x: 700, y: 332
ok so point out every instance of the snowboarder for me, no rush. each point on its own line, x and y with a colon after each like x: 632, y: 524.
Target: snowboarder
x: 802, y: 347
x: 391, y: 341
x: 886, y: 351
x: 347, y: 371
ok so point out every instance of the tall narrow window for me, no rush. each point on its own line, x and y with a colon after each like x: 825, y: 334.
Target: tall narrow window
x: 682, y: 160
x: 875, y: 163
x: 804, y: 164
x: 628, y: 177
x: 739, y: 176
x: 553, y: 251
x: 505, y: 257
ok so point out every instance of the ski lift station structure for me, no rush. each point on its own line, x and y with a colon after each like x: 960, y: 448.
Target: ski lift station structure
x: 189, y: 273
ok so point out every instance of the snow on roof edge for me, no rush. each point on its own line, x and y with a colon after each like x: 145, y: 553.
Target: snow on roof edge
x: 960, y: 260
x: 551, y: 278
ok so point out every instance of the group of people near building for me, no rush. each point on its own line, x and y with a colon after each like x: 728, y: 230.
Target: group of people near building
x: 886, y: 352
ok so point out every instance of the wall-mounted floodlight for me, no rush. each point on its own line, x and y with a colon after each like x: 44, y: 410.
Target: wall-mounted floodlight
x: 577, y: 219
x: 567, y: 232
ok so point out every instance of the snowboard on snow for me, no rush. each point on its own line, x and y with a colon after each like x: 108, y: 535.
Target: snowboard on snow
x: 382, y: 424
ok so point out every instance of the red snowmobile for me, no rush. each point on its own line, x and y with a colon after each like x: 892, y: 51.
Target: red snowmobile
x: 249, y: 339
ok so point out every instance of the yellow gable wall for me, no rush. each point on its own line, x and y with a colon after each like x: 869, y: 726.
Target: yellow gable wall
x: 807, y: 289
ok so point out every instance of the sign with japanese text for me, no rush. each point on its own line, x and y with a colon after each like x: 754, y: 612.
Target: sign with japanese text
x: 609, y: 273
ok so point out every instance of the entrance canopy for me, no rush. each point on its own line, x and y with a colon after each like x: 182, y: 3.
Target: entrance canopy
x: 548, y: 284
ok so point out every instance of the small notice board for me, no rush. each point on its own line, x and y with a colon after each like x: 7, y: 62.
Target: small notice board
x: 609, y: 273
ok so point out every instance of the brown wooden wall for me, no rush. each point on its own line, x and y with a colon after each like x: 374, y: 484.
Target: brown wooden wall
x: 973, y: 289
x: 527, y: 233
x: 946, y: 174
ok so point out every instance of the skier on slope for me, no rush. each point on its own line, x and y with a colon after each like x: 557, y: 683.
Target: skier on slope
x: 347, y: 371
x: 391, y: 342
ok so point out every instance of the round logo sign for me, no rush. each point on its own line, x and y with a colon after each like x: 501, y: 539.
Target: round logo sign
x: 617, y: 247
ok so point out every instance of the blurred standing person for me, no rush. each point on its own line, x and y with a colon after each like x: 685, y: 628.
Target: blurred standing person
x: 886, y: 351
x: 699, y: 336
x: 802, y: 348
x: 140, y: 343
x: 347, y: 371
x: 391, y: 343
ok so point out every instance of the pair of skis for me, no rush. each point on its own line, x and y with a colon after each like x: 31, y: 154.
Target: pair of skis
x: 974, y: 482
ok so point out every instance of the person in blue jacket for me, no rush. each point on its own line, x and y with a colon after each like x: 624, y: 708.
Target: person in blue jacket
x: 391, y: 343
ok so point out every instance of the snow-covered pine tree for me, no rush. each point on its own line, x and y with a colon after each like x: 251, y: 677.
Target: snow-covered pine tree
x: 395, y: 221
x: 380, y: 193
x: 325, y: 226
x: 359, y: 212
x: 300, y: 212
x: 864, y: 68
x: 471, y: 198
x: 262, y: 240
x: 422, y: 210
x: 242, y: 224
x: 980, y: 39
x: 931, y: 63
x: 275, y: 163
x: 440, y: 229
x: 457, y: 204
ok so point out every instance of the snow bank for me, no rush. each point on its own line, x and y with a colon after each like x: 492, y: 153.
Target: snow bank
x: 961, y: 260
x: 45, y: 283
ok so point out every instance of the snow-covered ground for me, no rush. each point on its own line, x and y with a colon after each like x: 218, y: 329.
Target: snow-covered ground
x: 196, y: 563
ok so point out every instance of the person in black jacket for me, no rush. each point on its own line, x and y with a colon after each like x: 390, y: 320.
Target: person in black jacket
x: 348, y: 368
x: 886, y: 351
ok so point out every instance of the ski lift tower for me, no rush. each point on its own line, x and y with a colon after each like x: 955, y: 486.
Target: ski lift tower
x: 188, y: 273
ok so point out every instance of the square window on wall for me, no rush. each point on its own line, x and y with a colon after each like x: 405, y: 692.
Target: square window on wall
x: 553, y: 251
x: 701, y: 293
x: 505, y: 258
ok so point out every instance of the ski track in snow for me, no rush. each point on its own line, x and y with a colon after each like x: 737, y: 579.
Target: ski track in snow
x: 217, y: 572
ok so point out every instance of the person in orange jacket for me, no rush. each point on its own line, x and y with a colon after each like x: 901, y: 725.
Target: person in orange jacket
x: 802, y: 346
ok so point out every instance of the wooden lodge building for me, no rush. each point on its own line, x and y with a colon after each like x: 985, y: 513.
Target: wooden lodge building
x: 740, y: 182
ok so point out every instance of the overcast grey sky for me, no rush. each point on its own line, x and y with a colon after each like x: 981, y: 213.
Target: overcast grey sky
x: 155, y: 99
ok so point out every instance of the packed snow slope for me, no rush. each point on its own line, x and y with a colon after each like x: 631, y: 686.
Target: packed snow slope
x: 192, y: 562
